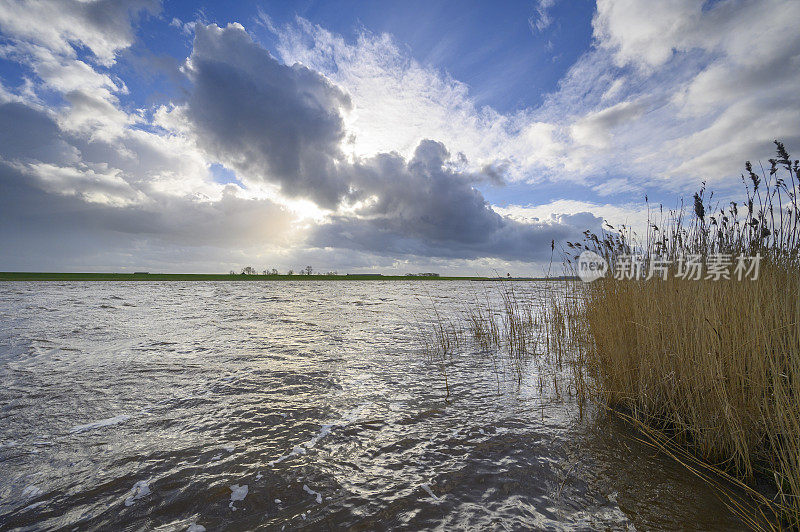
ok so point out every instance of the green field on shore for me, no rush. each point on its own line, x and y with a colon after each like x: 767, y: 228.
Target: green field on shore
x: 44, y: 276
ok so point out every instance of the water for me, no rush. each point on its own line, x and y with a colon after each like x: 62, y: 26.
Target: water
x: 239, y: 405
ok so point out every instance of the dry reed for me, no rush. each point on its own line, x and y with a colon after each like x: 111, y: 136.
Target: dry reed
x: 709, y: 366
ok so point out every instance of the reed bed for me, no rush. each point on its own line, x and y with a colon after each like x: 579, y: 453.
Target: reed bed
x: 709, y: 366
x: 511, y: 330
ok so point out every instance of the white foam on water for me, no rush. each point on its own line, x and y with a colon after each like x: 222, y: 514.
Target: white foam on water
x: 194, y: 527
x: 317, y: 494
x: 139, y: 490
x: 259, y: 476
x: 238, y: 493
x: 229, y: 448
x: 34, y: 505
x: 31, y: 492
x: 427, y: 488
x: 323, y: 431
x: 297, y: 449
x: 216, y: 457
x: 116, y: 420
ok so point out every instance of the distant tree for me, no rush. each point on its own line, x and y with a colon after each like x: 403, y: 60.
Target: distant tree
x: 274, y: 272
x: 309, y: 269
x: 290, y: 272
x: 248, y: 270
x: 264, y: 272
x: 233, y: 272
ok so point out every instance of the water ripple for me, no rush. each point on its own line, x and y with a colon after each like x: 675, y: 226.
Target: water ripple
x: 205, y: 406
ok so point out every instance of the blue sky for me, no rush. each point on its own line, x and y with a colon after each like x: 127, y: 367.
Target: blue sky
x: 496, y: 49
x: 391, y: 136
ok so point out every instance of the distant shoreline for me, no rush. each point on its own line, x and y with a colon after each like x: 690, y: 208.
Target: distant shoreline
x: 46, y: 276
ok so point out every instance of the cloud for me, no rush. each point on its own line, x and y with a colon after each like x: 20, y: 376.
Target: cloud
x: 101, y: 26
x: 397, y: 102
x: 71, y: 197
x: 646, y: 33
x: 28, y: 134
x: 422, y: 207
x: 542, y: 19
x: 70, y: 45
x: 266, y: 120
x: 64, y: 218
x: 669, y: 94
x: 741, y: 58
x: 284, y: 125
x: 594, y: 129
x: 272, y: 124
x: 631, y: 215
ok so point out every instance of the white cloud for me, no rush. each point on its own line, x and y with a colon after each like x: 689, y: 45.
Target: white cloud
x: 541, y: 20
x: 674, y: 92
x: 102, y: 26
x: 46, y: 35
x: 93, y: 185
x: 594, y: 128
x: 629, y: 214
x: 646, y: 32
x: 397, y: 102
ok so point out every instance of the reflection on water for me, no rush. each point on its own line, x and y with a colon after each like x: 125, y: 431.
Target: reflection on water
x: 239, y: 405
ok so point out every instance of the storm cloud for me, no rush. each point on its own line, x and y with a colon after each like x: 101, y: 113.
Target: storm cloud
x: 423, y: 207
x: 283, y: 124
x: 264, y: 119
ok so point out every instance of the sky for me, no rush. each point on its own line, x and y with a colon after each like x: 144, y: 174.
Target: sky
x: 393, y: 137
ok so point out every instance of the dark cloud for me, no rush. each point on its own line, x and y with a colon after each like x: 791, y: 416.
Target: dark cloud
x: 28, y: 134
x: 422, y: 207
x: 264, y: 119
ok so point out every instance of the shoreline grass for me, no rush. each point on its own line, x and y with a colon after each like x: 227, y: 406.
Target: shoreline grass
x: 709, y: 368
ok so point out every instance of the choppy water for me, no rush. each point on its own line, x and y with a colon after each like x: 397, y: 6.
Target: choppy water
x: 240, y: 405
